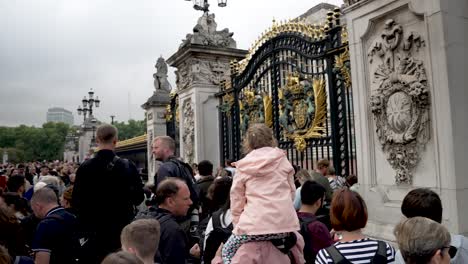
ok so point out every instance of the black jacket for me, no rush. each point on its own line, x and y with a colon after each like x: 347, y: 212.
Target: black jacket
x: 176, y: 168
x: 105, y: 196
x: 173, y: 242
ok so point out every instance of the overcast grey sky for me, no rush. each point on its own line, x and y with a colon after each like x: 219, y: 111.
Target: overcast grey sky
x: 53, y: 51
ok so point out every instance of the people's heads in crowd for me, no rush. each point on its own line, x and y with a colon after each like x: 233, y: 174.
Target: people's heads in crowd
x: 322, y: 166
x: 66, y: 198
x: 50, y: 181
x: 17, y: 184
x: 163, y: 147
x: 312, y: 194
x: 351, y: 180
x: 15, y: 202
x: 121, y: 257
x: 21, y: 169
x: 106, y: 136
x: 348, y: 211
x: 43, y: 200
x: 302, y: 176
x: 422, y: 202
x: 44, y: 170
x: 141, y: 237
x: 258, y: 135
x: 331, y: 171
x: 205, y: 168
x: 173, y: 195
x: 423, y: 241
x: 220, y: 191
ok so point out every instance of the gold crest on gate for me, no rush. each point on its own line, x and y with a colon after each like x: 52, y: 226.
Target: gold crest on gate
x: 303, y: 104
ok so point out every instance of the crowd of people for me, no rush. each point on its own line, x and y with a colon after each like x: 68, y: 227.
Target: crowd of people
x: 259, y: 209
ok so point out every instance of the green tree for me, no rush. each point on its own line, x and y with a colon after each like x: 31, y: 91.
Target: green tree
x: 131, y: 129
x: 31, y: 143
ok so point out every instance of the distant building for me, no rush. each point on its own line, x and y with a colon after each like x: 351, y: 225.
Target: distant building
x: 57, y: 114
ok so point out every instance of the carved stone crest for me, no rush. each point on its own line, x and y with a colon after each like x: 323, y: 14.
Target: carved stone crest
x: 400, y: 104
x: 188, y: 136
x: 201, y: 72
x: 303, y: 104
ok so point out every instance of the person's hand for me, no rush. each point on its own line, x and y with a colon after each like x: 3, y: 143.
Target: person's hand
x: 195, y: 251
x: 220, y: 250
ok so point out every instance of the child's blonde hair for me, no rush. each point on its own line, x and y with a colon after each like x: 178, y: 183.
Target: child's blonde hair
x: 258, y: 136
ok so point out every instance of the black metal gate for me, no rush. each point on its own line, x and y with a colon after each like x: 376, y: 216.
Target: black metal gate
x: 296, y: 79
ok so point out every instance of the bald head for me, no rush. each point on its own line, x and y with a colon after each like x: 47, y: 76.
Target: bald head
x: 45, y: 195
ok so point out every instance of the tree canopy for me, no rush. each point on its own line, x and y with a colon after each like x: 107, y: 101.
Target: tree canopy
x: 132, y: 128
x: 34, y: 143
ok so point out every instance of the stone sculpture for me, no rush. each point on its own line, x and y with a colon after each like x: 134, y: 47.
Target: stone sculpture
x: 205, y: 33
x: 160, y: 77
x: 400, y: 104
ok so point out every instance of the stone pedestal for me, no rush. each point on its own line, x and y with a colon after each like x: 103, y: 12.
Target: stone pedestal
x: 155, y: 124
x: 84, y: 143
x: 408, y: 63
x: 202, y: 63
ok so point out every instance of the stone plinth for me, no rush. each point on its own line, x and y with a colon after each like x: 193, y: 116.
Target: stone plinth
x: 408, y: 63
x: 200, y: 70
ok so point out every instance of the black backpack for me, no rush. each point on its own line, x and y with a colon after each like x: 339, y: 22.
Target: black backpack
x: 304, y: 223
x: 380, y: 256
x: 216, y: 237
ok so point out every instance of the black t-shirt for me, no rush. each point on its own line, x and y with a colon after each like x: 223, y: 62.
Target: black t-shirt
x: 54, y: 234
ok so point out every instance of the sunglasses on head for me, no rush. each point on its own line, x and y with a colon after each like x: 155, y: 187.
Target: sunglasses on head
x: 451, y: 250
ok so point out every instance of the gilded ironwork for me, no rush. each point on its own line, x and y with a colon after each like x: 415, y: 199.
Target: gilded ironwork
x: 342, y: 65
x: 299, y: 27
x: 168, y: 113
x: 303, y: 104
x: 255, y: 108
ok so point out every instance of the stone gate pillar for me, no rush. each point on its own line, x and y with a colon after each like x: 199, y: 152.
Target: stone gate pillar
x: 409, y: 71
x: 202, y: 62
x: 155, y: 108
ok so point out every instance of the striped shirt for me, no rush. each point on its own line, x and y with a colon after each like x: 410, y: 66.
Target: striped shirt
x: 357, y: 252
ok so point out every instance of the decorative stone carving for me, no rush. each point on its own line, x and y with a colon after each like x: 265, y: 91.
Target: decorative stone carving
x: 400, y: 104
x: 188, y: 136
x: 160, y: 77
x: 350, y: 2
x: 205, y: 33
x: 201, y: 72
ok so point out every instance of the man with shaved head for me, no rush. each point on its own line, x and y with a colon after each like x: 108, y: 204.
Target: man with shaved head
x: 54, y: 237
x: 107, y: 189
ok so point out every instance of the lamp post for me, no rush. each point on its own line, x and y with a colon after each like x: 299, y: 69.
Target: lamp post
x: 202, y: 5
x: 88, y: 104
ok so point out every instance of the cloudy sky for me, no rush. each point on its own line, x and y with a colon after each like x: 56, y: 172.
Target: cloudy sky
x: 53, y: 51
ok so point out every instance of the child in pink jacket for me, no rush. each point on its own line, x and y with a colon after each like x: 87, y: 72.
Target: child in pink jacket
x: 262, y: 193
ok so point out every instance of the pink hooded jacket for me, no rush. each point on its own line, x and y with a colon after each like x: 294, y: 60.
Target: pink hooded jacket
x: 262, y: 194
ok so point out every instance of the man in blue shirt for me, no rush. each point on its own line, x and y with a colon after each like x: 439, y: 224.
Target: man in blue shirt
x: 54, y: 240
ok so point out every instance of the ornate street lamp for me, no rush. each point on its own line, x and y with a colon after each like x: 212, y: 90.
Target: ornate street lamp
x: 88, y: 104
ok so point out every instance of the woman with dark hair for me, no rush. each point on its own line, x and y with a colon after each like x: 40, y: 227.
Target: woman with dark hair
x: 220, y: 220
x: 348, y: 215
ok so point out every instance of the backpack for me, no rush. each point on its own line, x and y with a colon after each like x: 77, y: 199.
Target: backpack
x: 380, y: 256
x: 304, y: 224
x: 216, y: 237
